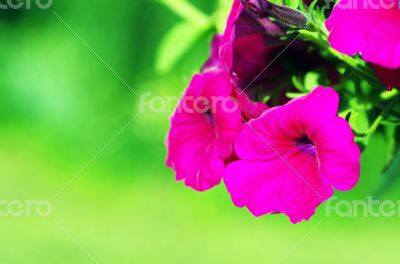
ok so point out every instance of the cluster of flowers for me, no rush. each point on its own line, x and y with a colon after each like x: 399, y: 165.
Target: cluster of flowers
x: 289, y: 157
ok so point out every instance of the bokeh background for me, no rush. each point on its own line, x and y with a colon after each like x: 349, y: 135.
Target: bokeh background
x: 71, y: 79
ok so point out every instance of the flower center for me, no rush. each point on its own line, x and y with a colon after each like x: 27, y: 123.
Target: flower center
x: 209, y: 116
x: 305, y: 145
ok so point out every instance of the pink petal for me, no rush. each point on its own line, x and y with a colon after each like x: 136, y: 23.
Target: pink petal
x: 369, y: 28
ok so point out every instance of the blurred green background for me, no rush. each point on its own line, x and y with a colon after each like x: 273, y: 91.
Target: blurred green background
x: 71, y: 134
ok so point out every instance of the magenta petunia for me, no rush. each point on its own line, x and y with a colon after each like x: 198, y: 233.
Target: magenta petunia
x: 292, y: 156
x: 370, y: 28
x: 199, y: 143
x: 238, y: 69
x: 203, y: 129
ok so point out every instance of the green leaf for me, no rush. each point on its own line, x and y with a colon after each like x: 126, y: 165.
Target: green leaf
x: 387, y: 95
x: 266, y: 99
x: 187, y: 11
x: 176, y: 43
x: 294, y: 95
x: 277, y: 2
x: 359, y: 122
x: 390, y: 123
x: 292, y: 3
x: 221, y: 14
x: 311, y: 80
x: 298, y: 84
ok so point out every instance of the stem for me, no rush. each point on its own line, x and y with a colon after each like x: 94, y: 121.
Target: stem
x: 358, y: 66
x: 390, y: 123
x: 377, y: 121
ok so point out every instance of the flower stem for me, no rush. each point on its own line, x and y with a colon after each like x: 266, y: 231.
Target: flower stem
x: 378, y: 120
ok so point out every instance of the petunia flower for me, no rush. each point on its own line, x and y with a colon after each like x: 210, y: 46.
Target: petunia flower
x: 200, y: 143
x: 292, y: 156
x: 203, y: 129
x: 370, y: 28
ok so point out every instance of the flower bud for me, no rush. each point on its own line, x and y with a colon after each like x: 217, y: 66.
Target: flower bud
x: 286, y: 16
